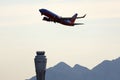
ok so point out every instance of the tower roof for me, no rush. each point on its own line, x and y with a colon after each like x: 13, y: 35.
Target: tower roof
x: 40, y: 52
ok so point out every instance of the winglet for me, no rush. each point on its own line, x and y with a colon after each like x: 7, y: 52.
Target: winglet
x: 82, y: 16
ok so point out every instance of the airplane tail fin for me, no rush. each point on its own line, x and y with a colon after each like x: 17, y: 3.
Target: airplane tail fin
x: 74, y: 18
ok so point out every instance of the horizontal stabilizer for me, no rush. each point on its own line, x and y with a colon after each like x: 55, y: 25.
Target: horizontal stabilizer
x: 78, y: 23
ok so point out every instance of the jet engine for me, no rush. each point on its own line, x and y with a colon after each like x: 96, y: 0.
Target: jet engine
x: 46, y: 19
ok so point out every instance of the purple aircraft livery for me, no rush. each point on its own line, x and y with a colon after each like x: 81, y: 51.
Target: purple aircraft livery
x: 69, y: 21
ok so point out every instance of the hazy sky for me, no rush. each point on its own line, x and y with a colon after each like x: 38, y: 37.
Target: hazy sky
x: 22, y: 33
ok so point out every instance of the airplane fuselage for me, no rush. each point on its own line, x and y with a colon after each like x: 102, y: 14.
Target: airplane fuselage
x: 50, y: 16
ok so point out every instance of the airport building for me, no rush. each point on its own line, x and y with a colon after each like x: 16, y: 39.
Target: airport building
x: 40, y: 65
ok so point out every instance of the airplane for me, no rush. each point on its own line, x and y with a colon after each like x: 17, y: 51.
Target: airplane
x: 69, y: 21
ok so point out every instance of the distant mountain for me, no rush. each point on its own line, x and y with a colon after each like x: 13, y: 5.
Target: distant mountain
x: 107, y: 70
x: 62, y: 71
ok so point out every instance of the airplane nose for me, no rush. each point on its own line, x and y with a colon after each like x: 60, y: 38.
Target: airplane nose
x: 40, y: 11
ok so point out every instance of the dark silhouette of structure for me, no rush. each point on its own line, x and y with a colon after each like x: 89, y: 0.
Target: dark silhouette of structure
x: 40, y: 65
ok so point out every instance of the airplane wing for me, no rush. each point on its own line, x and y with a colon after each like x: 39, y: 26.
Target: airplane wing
x: 81, y: 16
x: 64, y: 18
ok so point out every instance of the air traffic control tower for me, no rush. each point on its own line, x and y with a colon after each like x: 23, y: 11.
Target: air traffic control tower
x: 40, y: 65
